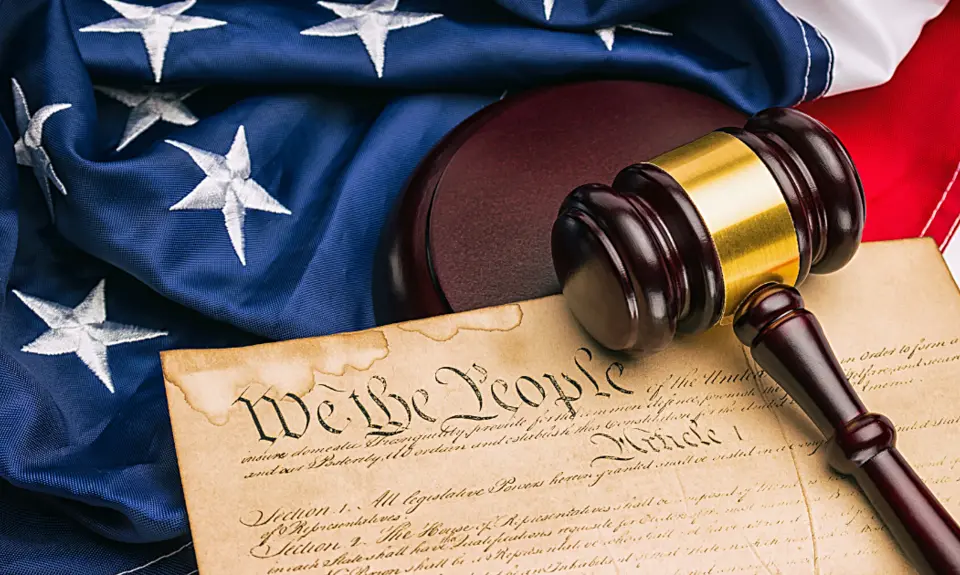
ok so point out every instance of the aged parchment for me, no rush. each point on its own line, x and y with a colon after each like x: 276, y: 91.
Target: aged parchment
x: 505, y: 442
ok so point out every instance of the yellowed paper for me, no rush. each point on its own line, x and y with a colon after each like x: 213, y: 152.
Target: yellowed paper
x: 506, y: 442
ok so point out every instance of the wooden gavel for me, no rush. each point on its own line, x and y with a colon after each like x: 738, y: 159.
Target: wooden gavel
x: 719, y: 231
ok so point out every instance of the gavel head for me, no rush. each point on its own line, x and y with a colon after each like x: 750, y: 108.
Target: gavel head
x: 677, y: 243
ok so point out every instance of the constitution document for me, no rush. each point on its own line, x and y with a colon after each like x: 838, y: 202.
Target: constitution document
x: 505, y: 441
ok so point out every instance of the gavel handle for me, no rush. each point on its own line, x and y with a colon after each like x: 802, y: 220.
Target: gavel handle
x: 787, y: 342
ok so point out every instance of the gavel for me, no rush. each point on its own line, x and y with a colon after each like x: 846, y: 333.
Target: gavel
x: 721, y: 231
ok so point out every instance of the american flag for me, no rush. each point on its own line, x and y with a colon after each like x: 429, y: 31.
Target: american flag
x: 217, y: 173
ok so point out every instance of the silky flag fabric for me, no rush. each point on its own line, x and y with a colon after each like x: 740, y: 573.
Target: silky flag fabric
x: 216, y: 173
x: 904, y: 137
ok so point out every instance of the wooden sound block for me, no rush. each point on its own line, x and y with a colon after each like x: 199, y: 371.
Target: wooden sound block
x: 472, y: 228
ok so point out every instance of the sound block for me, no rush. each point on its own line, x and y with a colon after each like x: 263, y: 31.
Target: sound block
x: 472, y: 227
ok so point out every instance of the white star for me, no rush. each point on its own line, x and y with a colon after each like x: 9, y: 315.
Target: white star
x: 148, y: 108
x: 228, y: 187
x: 547, y: 8
x: 607, y: 35
x: 29, y: 148
x: 372, y: 22
x: 83, y: 330
x: 155, y: 25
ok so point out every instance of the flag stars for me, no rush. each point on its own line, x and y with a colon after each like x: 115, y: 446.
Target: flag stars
x: 371, y: 22
x: 608, y: 35
x: 547, y: 8
x: 29, y: 148
x: 148, y: 108
x: 155, y: 25
x: 82, y: 330
x: 229, y: 188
